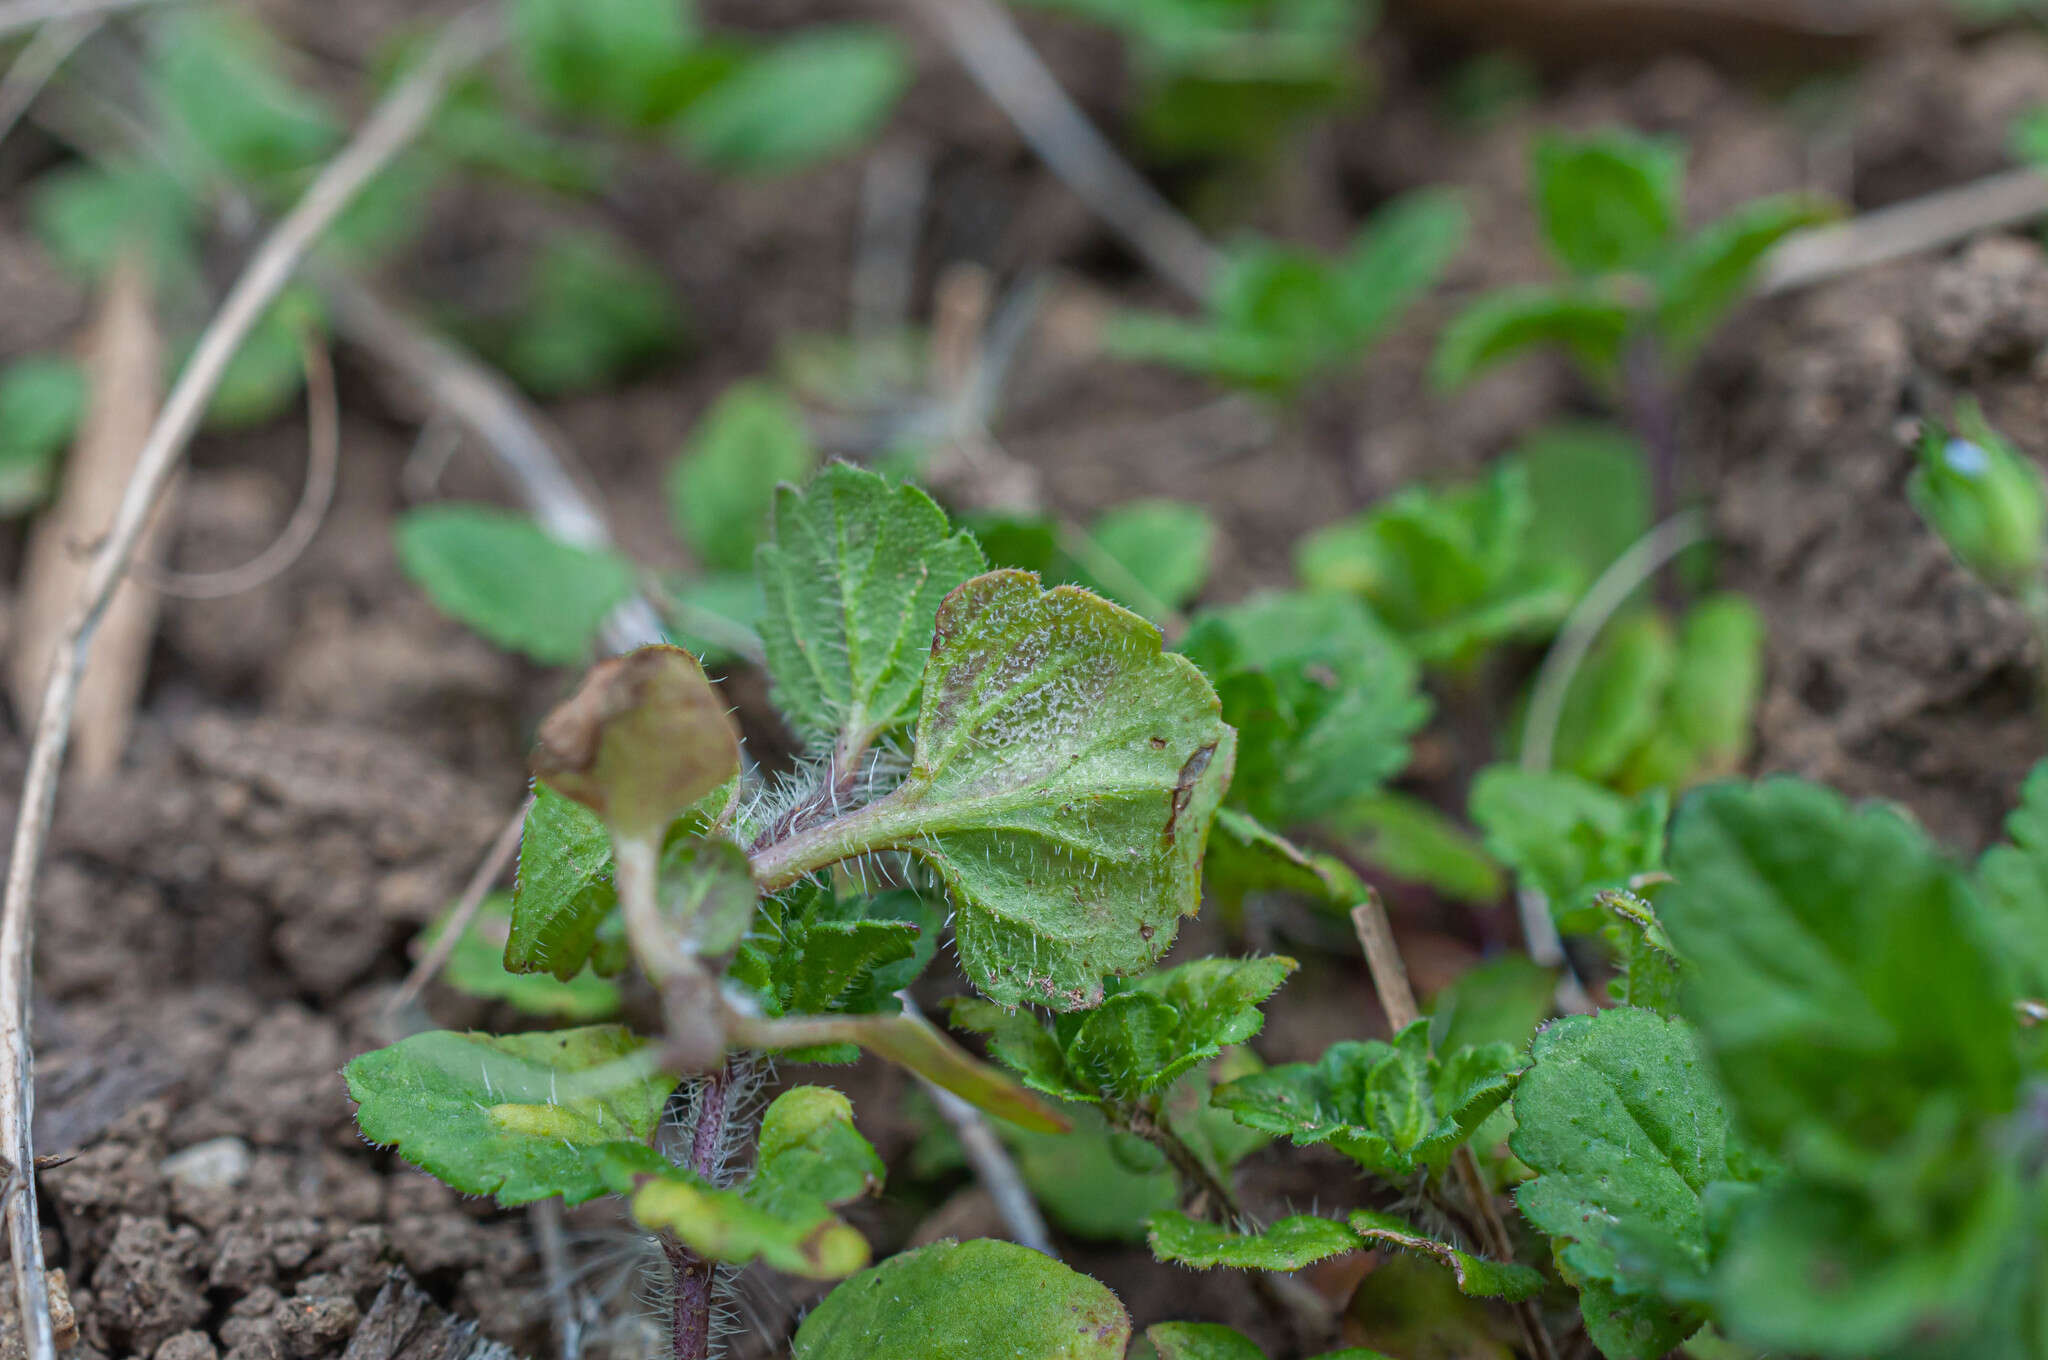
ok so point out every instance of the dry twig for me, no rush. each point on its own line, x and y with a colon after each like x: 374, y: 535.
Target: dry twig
x: 394, y: 124
x: 488, y: 870
x: 125, y: 366
x: 49, y: 49
x: 16, y: 15
x: 1910, y: 228
x: 323, y: 461
x: 987, y: 42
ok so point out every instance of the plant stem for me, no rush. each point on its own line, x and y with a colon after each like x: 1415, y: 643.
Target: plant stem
x: 1196, y: 1179
x: 2033, y: 602
x: 1646, y: 395
x: 690, y: 1322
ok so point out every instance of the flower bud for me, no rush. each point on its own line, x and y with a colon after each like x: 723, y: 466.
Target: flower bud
x: 1985, y: 499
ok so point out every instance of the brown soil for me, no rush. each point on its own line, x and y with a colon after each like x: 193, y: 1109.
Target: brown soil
x: 320, y: 762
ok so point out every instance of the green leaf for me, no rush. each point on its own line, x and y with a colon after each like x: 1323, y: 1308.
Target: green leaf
x: 1590, y: 494
x: 1411, y: 840
x: 1065, y: 774
x: 817, y: 952
x: 807, y: 98
x: 477, y: 968
x: 1842, y: 973
x: 1393, y: 1108
x: 1620, y: 1118
x: 90, y: 217
x: 811, y: 1160
x: 1476, y: 1276
x: 219, y: 76
x: 475, y: 127
x: 721, y: 489
x: 966, y: 1301
x: 1649, y: 971
x: 504, y: 576
x: 42, y: 400
x: 1567, y: 838
x: 1398, y: 257
x: 1609, y: 201
x: 1245, y: 857
x: 1324, y: 700
x: 1447, y: 568
x: 1985, y: 498
x: 1139, y: 1040
x: 1711, y: 270
x: 593, y: 312
x: 854, y: 575
x: 563, y: 890
x: 1617, y: 696
x: 1201, y: 1341
x: 1500, y: 1001
x: 2013, y: 880
x: 1290, y: 1244
x: 1095, y: 1183
x: 627, y: 61
x: 707, y: 893
x: 1163, y: 547
x: 1714, y: 689
x: 518, y: 1116
x: 1504, y: 323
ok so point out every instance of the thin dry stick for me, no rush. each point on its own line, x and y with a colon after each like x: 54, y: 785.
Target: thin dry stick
x: 1397, y: 998
x: 395, y: 123
x: 49, y: 49
x: 323, y: 460
x: 499, y: 416
x: 1582, y: 628
x: 546, y: 1221
x: 488, y: 870
x: 992, y: 1163
x: 1909, y: 228
x: 19, y: 14
x: 987, y: 42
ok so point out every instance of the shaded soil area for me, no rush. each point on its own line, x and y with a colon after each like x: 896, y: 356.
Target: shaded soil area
x: 320, y: 763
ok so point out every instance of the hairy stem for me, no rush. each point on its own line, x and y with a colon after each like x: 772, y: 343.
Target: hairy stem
x: 690, y: 1322
x: 1196, y: 1178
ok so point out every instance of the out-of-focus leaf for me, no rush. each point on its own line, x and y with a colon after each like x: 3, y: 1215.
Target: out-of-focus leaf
x: 504, y: 576
x: 807, y: 98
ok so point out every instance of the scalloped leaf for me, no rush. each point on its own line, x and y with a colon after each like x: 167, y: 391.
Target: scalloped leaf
x: 811, y: 1160
x: 1392, y: 1108
x: 518, y: 1116
x: 817, y: 952
x: 1065, y: 775
x: 1623, y: 1124
x: 476, y: 967
x: 1139, y: 1040
x: 966, y: 1301
x: 853, y: 575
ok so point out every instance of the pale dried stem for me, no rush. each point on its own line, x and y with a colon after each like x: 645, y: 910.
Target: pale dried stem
x: 323, y: 463
x: 986, y: 41
x: 16, y: 15
x: 40, y: 59
x: 1397, y: 999
x: 394, y: 124
x: 488, y: 871
x: 1905, y: 229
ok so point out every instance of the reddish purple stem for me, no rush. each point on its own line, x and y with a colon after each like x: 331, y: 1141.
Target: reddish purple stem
x: 690, y: 1327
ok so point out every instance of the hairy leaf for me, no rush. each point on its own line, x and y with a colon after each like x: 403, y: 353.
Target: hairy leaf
x: 811, y: 1160
x: 814, y: 952
x: 477, y: 968
x: 519, y: 1116
x: 1323, y: 698
x: 1289, y: 1244
x: 1245, y: 857
x: 1065, y: 774
x: 853, y: 576
x: 1620, y: 1118
x: 1649, y: 971
x: 721, y: 489
x: 811, y: 96
x: 966, y: 1301
x: 504, y: 576
x: 1393, y: 1108
x: 563, y: 891
x: 1476, y: 1276
x: 1568, y: 839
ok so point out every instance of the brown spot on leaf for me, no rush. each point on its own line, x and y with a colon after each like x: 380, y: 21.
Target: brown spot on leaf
x: 1158, y: 743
